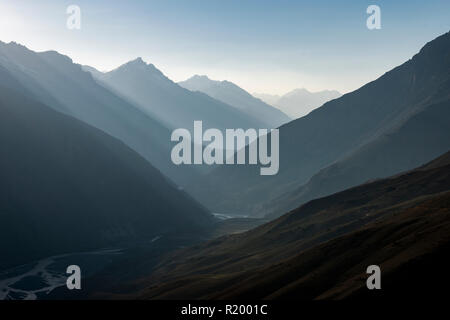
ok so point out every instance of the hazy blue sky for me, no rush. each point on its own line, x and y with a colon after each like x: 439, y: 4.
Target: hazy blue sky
x: 263, y: 46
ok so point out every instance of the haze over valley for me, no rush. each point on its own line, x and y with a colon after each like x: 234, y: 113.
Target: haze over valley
x: 171, y: 151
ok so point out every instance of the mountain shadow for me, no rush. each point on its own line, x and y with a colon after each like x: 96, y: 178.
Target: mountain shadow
x: 392, y: 124
x: 54, y: 80
x: 66, y: 186
x: 322, y: 249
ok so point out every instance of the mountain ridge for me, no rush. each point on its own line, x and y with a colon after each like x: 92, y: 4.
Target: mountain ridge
x: 57, y: 82
x: 173, y: 105
x: 339, y: 129
x: 232, y: 94
x: 310, y: 252
x: 299, y: 102
x: 67, y: 186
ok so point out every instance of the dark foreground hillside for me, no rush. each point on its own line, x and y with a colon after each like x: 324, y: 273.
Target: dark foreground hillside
x: 322, y: 249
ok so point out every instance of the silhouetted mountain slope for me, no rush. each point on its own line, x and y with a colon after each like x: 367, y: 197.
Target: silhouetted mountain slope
x: 299, y: 102
x: 271, y: 99
x: 54, y: 80
x: 175, y: 106
x: 66, y: 186
x: 322, y: 249
x: 411, y: 249
x: 424, y: 135
x: 237, y: 97
x: 95, y: 73
x: 363, y: 119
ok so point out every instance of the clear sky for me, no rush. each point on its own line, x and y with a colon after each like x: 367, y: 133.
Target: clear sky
x: 263, y: 46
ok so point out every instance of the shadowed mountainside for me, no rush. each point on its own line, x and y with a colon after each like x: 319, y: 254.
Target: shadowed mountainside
x: 392, y: 124
x: 66, y: 186
x: 173, y: 105
x: 321, y: 249
x: 54, y: 80
x: 426, y: 133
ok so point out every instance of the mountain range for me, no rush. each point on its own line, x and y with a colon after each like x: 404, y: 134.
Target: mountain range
x: 392, y: 124
x: 56, y: 81
x: 363, y: 179
x: 66, y: 186
x: 299, y: 102
x: 173, y: 105
x: 237, y: 97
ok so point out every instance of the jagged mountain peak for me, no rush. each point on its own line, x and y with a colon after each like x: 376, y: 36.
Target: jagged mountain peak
x: 138, y: 61
x: 52, y: 54
x: 139, y: 64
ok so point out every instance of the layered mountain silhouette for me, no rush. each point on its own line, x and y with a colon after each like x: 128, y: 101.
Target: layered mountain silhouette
x: 424, y: 134
x: 56, y: 81
x: 322, y: 249
x: 237, y: 97
x: 392, y: 124
x: 66, y: 186
x: 176, y: 107
x: 86, y: 165
x: 299, y: 102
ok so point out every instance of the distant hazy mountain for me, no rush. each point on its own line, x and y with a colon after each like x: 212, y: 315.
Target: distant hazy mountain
x: 175, y: 106
x: 66, y: 186
x: 92, y: 70
x: 59, y: 83
x: 237, y: 97
x: 271, y: 99
x: 392, y: 124
x: 401, y: 224
x: 299, y: 102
